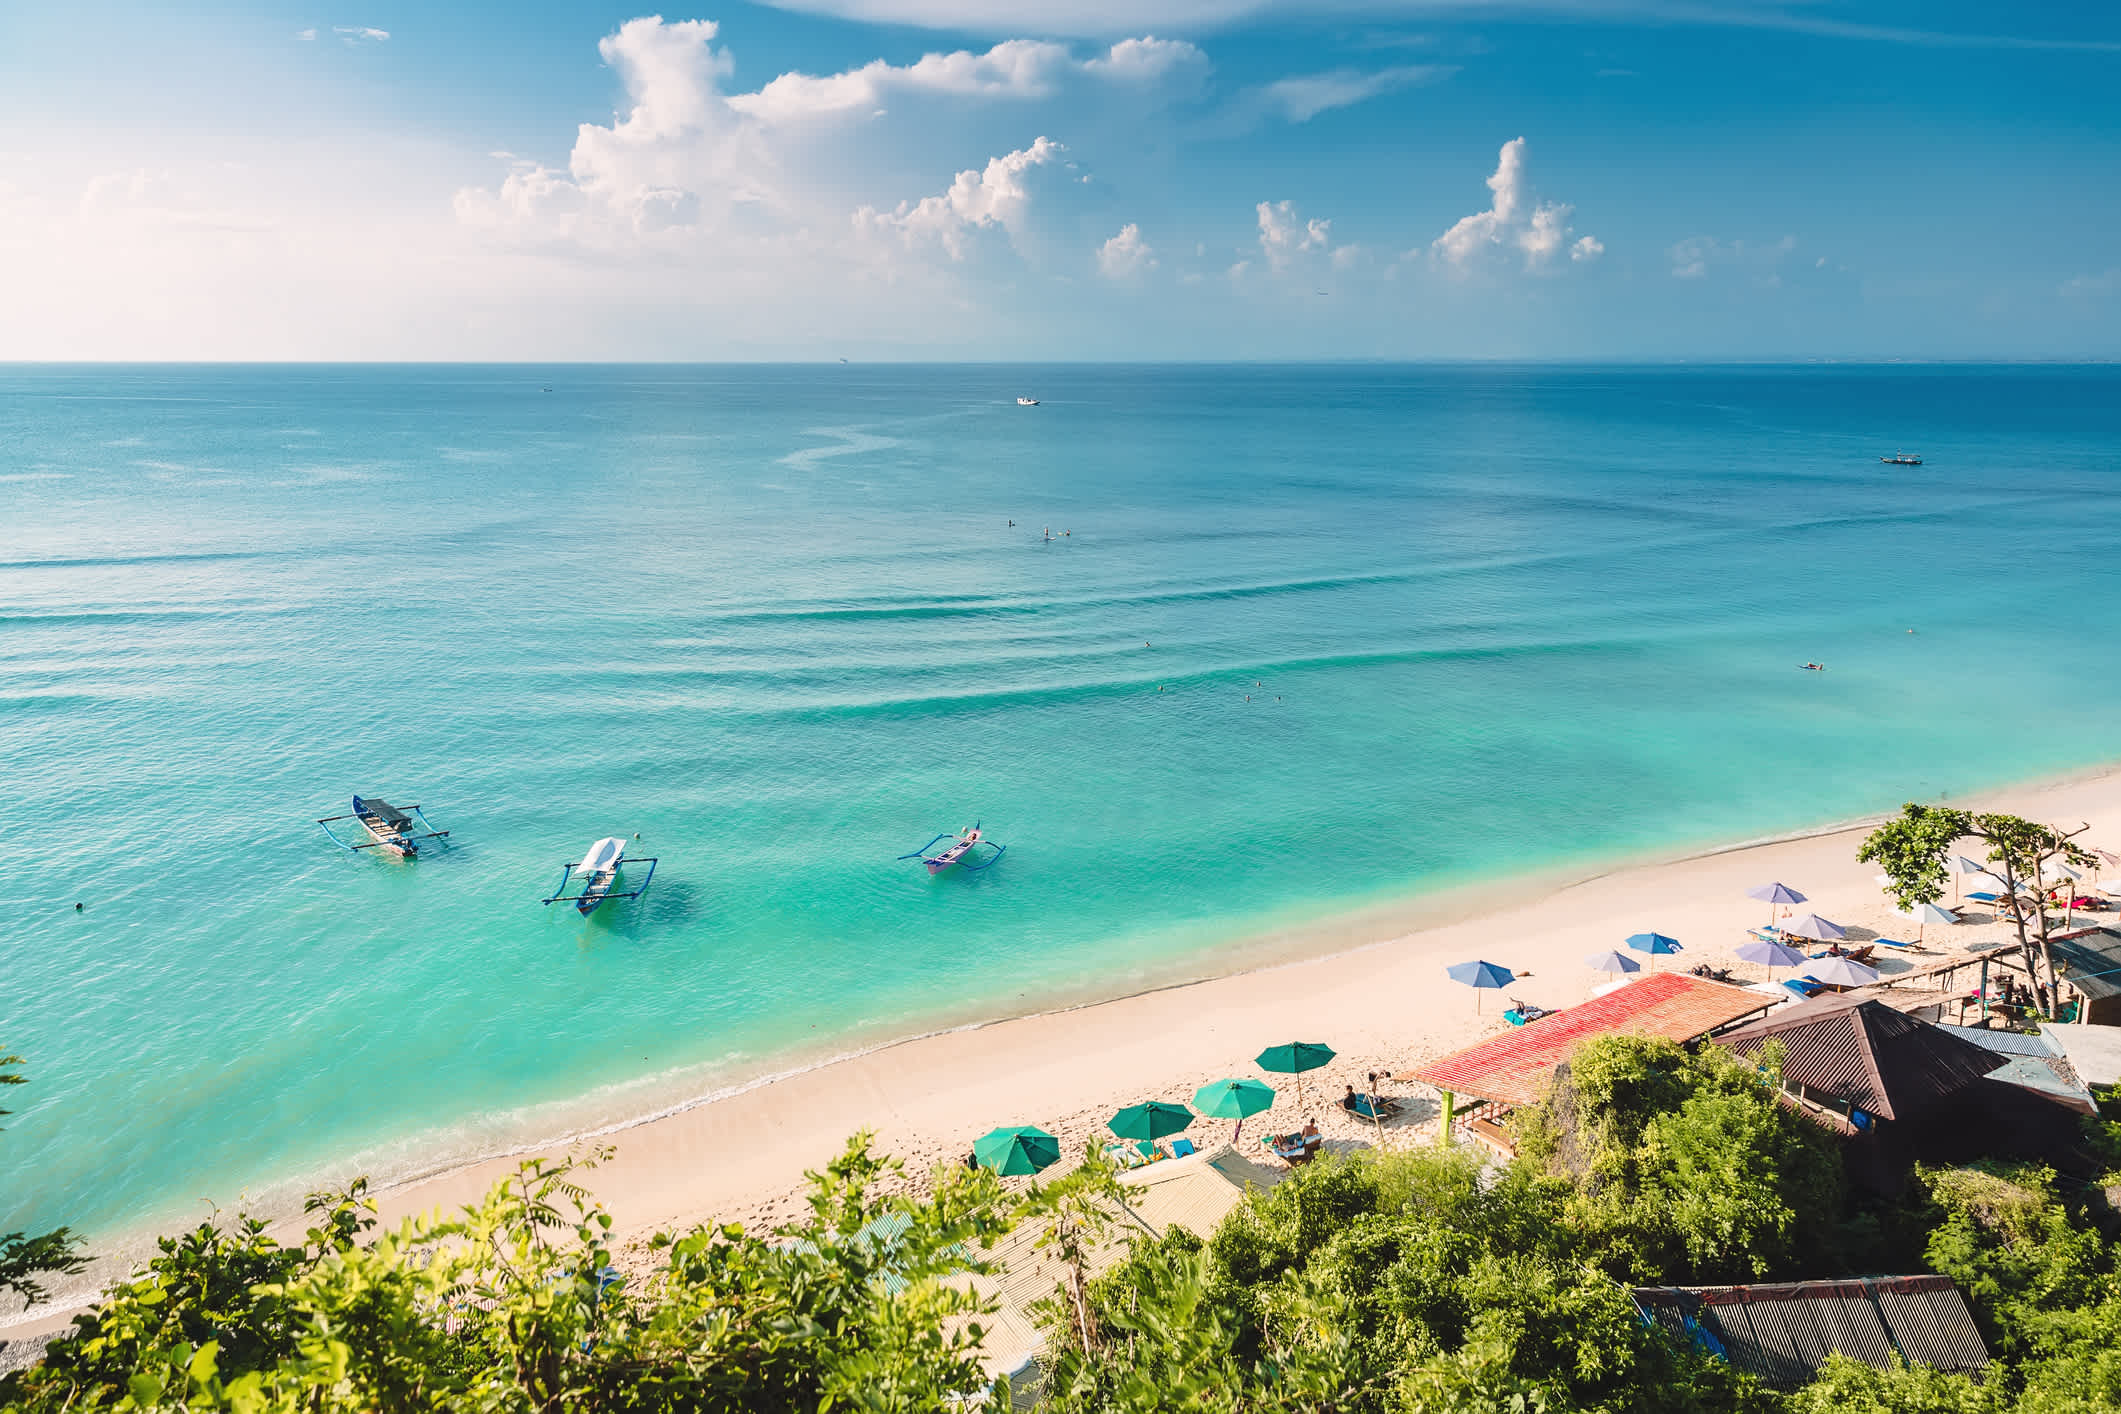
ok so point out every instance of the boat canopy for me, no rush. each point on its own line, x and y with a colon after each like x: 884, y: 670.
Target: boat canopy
x: 604, y: 854
x: 383, y: 810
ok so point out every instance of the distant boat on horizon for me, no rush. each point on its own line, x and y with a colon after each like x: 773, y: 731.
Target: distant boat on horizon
x: 1027, y: 402
x: 1902, y: 459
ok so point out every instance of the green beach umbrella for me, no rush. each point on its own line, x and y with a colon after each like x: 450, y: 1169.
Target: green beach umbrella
x: 1016, y: 1149
x: 1233, y: 1099
x: 1294, y: 1058
x: 1151, y: 1121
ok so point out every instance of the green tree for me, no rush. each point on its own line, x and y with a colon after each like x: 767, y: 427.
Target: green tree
x: 23, y: 1258
x: 1911, y: 850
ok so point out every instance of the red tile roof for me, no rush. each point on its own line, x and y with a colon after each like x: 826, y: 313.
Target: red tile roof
x: 1512, y: 1068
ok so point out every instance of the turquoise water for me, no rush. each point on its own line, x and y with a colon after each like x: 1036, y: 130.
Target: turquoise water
x: 776, y: 621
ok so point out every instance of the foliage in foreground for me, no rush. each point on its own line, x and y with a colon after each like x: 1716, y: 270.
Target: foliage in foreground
x: 1412, y: 1283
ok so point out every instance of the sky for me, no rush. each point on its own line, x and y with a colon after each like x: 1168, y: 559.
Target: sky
x: 1074, y: 179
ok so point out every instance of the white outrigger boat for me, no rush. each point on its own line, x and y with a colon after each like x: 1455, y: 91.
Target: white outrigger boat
x: 598, y: 874
x: 1027, y: 402
x: 389, y: 828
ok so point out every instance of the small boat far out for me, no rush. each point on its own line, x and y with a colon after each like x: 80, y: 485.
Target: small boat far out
x: 1902, y: 459
x: 1027, y: 402
x: 960, y: 850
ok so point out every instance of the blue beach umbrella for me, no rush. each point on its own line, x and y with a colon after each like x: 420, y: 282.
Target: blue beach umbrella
x: 1654, y: 943
x: 1773, y: 894
x: 1480, y: 976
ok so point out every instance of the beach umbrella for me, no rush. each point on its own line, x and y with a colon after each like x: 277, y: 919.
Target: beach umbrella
x: 1811, y: 925
x: 1480, y: 976
x: 1233, y: 1099
x: 1655, y: 944
x: 1960, y: 867
x: 1772, y: 954
x: 1151, y: 1121
x: 1925, y: 914
x: 1612, y: 961
x: 1842, y: 972
x: 1016, y: 1149
x: 1294, y: 1058
x: 1772, y: 895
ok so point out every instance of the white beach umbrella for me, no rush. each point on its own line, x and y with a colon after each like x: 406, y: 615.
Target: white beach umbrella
x: 1925, y: 914
x: 1959, y: 866
x: 1842, y: 972
x: 1811, y: 925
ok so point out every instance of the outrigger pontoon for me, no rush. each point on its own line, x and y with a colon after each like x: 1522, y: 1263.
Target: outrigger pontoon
x: 597, y: 873
x: 960, y: 851
x: 390, y: 828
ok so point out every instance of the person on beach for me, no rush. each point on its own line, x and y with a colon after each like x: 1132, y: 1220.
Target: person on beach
x: 1310, y: 1129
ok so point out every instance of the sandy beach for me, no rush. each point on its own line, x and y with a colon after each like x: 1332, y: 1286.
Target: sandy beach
x: 1383, y: 1007
x: 1386, y: 1006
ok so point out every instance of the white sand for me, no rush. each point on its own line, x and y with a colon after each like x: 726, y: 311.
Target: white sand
x: 1383, y: 1007
x: 1387, y: 1006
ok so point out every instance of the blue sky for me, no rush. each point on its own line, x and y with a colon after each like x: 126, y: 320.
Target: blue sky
x: 1080, y: 179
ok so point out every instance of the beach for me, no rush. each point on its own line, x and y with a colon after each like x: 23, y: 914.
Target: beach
x: 1383, y: 1007
x: 1371, y: 664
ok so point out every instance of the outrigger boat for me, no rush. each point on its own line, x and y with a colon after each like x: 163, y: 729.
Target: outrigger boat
x: 1027, y: 402
x: 597, y: 873
x: 1902, y: 459
x: 960, y: 851
x: 389, y: 828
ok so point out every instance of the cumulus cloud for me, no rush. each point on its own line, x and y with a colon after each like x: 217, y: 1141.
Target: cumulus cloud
x: 1513, y: 222
x: 677, y: 157
x: 999, y: 196
x: 1126, y: 254
x: 1013, y: 69
x: 1282, y: 237
x: 1303, y: 97
x: 357, y: 34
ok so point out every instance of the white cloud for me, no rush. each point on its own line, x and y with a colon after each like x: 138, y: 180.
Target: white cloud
x: 1512, y: 221
x: 1013, y: 69
x: 358, y: 34
x: 1282, y: 239
x: 305, y: 34
x: 1587, y: 248
x: 1303, y: 97
x: 1126, y: 254
x: 977, y: 200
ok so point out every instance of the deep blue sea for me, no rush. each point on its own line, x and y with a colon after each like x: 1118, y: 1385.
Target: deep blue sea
x: 1305, y: 640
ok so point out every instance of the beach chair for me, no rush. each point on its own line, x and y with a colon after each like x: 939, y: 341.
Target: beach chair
x: 1181, y: 1148
x: 1896, y: 943
x: 1804, y: 987
x: 1985, y: 897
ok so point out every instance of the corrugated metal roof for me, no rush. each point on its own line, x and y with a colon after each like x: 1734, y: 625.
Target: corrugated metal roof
x: 1885, y: 1061
x: 1513, y: 1068
x: 2036, y: 1062
x: 2090, y: 961
x: 1783, y: 1332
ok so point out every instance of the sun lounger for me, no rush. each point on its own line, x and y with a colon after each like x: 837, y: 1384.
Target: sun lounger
x: 1377, y: 1111
x: 1896, y: 943
x: 1804, y: 987
x: 1984, y: 897
x: 1180, y: 1148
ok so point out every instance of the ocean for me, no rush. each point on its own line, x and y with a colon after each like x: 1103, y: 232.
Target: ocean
x: 1303, y: 642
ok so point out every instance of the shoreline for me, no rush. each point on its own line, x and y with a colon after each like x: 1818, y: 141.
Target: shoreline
x: 927, y: 1094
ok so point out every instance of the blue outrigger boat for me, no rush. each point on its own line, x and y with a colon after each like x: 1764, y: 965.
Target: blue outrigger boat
x: 961, y: 850
x: 389, y: 828
x: 599, y: 875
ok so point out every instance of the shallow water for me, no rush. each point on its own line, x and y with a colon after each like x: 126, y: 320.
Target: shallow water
x: 776, y: 621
